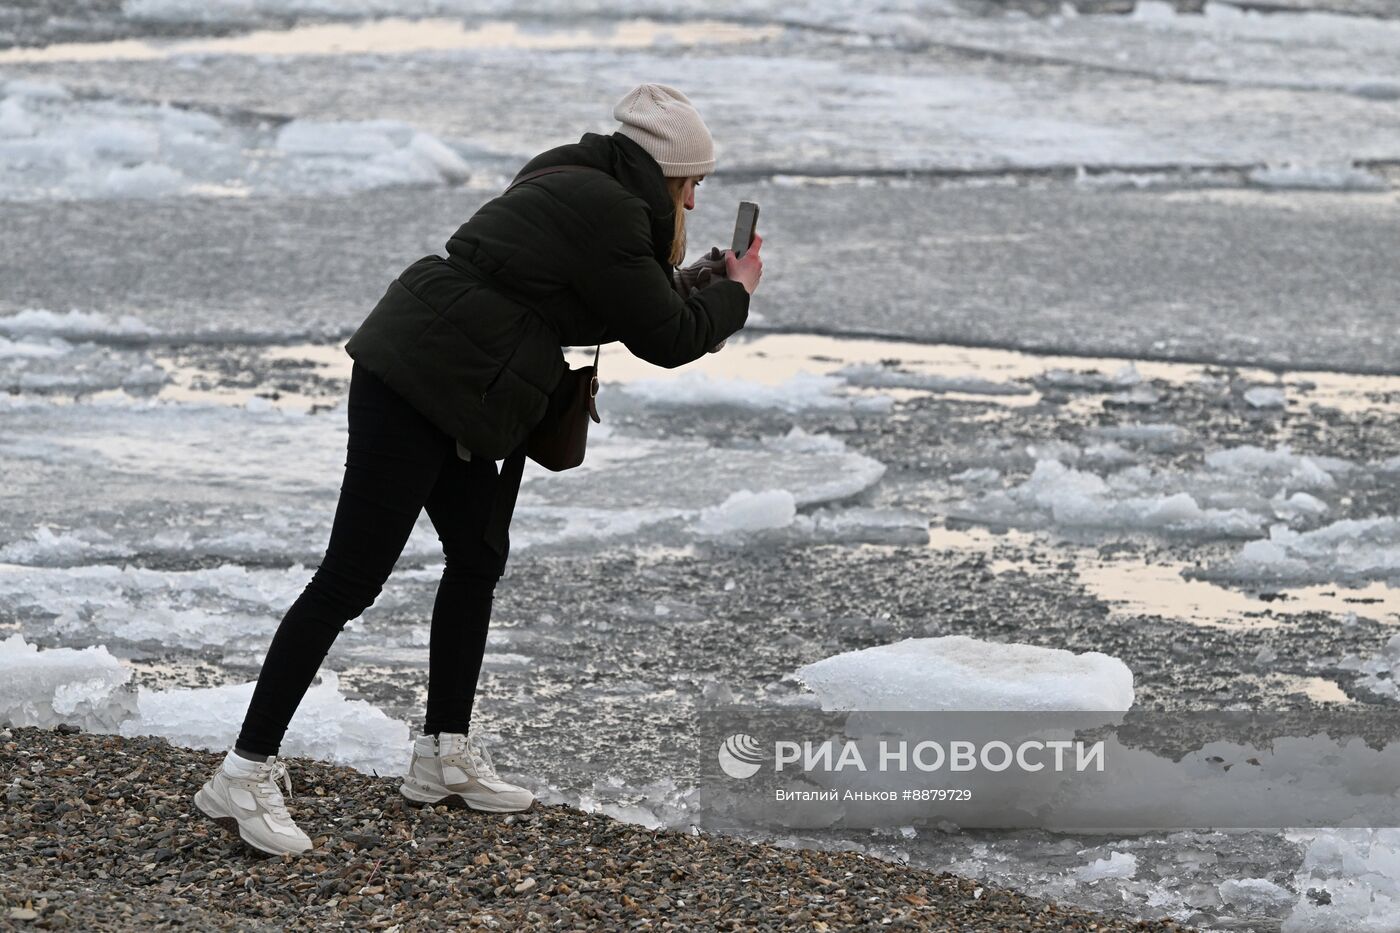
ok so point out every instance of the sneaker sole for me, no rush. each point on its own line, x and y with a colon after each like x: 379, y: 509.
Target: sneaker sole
x: 419, y: 798
x: 205, y: 803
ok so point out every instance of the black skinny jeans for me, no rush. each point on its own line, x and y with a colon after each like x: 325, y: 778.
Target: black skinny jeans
x: 397, y: 463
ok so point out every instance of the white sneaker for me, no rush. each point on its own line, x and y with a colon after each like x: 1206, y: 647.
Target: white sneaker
x: 456, y: 770
x: 244, y: 793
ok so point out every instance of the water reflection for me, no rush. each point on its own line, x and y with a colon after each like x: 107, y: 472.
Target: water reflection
x: 1136, y: 587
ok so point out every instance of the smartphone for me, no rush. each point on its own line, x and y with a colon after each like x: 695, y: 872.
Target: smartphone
x: 744, y: 226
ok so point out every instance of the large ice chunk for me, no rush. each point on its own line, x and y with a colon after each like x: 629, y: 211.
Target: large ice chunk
x: 327, y: 724
x: 956, y: 672
x: 84, y: 687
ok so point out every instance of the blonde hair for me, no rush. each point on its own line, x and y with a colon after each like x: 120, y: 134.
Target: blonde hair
x: 676, y: 185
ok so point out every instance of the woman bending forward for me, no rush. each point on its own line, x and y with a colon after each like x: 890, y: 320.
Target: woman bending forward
x: 457, y: 363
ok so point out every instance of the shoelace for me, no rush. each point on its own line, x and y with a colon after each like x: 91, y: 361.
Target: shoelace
x: 481, y: 760
x: 274, y: 802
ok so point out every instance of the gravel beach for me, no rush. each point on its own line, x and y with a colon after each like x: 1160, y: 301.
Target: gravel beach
x: 98, y: 832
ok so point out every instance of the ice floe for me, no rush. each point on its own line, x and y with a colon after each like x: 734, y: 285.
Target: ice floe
x: 1265, y: 397
x: 1124, y: 377
x: 53, y: 365
x: 45, y: 547
x: 960, y: 673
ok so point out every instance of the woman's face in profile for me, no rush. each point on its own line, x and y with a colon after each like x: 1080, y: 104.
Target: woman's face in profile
x: 689, y: 191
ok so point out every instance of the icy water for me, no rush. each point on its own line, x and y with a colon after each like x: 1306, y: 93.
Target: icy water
x: 1078, y: 331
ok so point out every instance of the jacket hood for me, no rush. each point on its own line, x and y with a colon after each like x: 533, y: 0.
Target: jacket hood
x: 633, y: 167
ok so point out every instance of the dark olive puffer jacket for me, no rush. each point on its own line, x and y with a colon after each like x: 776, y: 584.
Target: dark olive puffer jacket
x: 473, y: 339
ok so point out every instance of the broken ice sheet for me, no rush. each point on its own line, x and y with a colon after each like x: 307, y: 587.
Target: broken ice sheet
x: 158, y: 610
x: 1345, y: 551
x: 1236, y: 492
x: 1350, y: 882
x: 175, y: 486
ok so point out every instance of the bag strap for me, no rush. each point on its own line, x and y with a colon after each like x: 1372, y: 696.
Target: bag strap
x: 549, y: 170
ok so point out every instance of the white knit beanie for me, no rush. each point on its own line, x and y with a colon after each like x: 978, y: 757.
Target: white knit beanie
x: 666, y: 124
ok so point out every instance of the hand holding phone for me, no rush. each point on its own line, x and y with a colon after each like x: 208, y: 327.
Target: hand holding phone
x: 744, y: 226
x: 746, y: 271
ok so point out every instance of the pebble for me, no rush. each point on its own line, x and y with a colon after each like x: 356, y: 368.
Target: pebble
x: 136, y: 854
